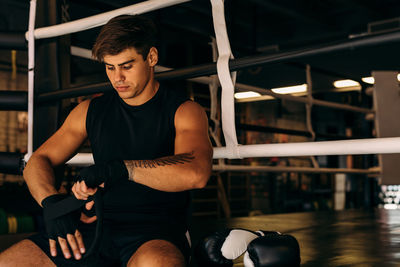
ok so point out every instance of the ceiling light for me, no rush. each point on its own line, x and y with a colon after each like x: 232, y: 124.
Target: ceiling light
x: 369, y: 80
x: 290, y: 89
x: 345, y: 83
x: 248, y: 94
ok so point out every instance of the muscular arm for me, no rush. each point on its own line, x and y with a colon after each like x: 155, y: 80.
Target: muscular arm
x: 60, y: 147
x: 190, y: 167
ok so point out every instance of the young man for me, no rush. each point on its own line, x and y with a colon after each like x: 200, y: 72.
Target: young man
x: 150, y: 147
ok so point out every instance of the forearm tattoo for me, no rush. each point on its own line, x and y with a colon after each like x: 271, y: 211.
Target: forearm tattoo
x: 183, y: 158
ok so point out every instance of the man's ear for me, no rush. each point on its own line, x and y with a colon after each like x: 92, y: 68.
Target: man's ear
x: 152, y: 57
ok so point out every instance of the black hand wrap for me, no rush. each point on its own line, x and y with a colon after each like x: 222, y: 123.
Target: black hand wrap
x: 109, y: 173
x: 56, y: 207
x: 89, y: 213
x: 62, y: 225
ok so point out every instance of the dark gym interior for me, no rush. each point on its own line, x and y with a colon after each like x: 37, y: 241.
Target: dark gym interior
x: 345, y: 212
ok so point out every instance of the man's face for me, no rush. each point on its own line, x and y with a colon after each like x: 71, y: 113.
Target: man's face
x: 130, y: 74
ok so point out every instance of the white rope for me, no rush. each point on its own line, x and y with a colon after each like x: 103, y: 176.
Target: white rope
x: 101, y: 19
x: 344, y: 147
x: 386, y: 145
x: 224, y: 75
x: 31, y: 73
x: 213, y: 87
x: 81, y: 52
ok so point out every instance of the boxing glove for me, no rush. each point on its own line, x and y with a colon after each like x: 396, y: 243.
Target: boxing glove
x: 271, y: 251
x: 222, y: 247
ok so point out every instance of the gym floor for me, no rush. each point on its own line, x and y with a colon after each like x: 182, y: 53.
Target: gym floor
x: 345, y: 238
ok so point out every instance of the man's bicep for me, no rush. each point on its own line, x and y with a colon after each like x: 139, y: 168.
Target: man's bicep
x: 63, y: 144
x: 192, y: 130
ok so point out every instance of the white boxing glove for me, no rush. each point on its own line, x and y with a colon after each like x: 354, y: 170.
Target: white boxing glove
x: 236, y: 242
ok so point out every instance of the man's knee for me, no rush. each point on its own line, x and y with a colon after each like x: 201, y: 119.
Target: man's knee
x: 157, y: 253
x: 24, y: 253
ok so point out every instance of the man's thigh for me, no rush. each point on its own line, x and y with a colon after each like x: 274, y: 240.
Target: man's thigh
x: 157, y: 253
x: 25, y: 253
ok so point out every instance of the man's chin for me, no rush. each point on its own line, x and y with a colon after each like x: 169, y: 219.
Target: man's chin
x: 124, y: 95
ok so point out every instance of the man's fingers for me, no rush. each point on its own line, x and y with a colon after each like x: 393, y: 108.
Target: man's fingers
x: 86, y: 219
x: 76, y: 189
x: 88, y: 190
x: 64, y: 247
x: 53, y: 247
x: 84, y: 186
x: 79, y: 239
x: 81, y: 191
x: 74, y: 246
x: 89, y: 205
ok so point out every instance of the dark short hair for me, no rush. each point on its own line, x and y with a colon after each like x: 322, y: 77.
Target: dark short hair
x: 122, y: 32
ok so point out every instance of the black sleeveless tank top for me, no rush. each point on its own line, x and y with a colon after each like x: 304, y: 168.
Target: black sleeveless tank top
x: 117, y: 130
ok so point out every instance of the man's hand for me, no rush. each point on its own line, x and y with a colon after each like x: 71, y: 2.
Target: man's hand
x: 81, y: 191
x: 109, y: 173
x: 64, y: 230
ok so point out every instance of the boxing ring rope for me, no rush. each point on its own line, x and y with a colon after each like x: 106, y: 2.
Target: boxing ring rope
x: 13, y: 100
x: 101, y: 19
x: 225, y: 78
x: 13, y: 40
x: 386, y: 145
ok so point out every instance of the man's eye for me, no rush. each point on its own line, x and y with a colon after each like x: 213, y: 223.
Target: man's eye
x: 110, y: 68
x: 127, y: 67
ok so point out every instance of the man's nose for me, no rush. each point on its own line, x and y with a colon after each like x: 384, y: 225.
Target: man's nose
x: 119, y: 76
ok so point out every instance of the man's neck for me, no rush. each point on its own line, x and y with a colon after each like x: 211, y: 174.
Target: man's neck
x: 148, y: 93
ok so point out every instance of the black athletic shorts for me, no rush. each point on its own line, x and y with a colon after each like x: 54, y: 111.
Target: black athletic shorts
x: 116, y: 246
